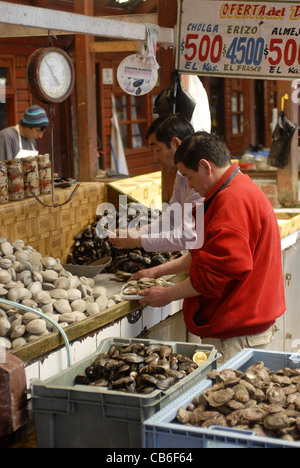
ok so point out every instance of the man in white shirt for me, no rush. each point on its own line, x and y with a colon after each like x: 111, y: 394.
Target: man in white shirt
x: 174, y: 229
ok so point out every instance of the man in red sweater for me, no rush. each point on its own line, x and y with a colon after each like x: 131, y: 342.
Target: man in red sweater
x: 235, y: 289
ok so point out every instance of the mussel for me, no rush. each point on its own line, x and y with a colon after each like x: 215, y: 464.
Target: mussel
x: 135, y: 368
x: 89, y: 247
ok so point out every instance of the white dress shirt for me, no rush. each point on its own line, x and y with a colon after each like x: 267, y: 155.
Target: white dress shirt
x: 174, y: 230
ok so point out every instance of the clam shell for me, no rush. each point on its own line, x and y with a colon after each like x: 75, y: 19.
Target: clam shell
x: 5, y: 263
x: 35, y: 257
x: 29, y: 303
x: 68, y: 317
x: 48, y: 262
x: 18, y: 244
x: 62, y: 306
x: 18, y: 343
x: 79, y: 305
x: 6, y: 248
x: 28, y: 317
x: 102, y: 302
x: 79, y: 316
x: 25, y: 277
x: 92, y: 308
x: 22, y: 256
x: 47, y: 309
x: 54, y: 317
x: 33, y: 337
x: 4, y: 326
x: 35, y: 287
x: 88, y: 282
x: 37, y: 276
x: 62, y: 283
x: 17, y: 331
x: 59, y: 294
x: 5, y: 277
x: 74, y: 295
x: 18, y: 294
x: 42, y: 297
x: 49, y: 275
x: 36, y: 327
x: 74, y: 282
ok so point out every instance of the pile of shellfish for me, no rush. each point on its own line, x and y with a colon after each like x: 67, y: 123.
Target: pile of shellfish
x: 89, y: 247
x: 41, y: 283
x: 137, y: 368
x: 260, y: 400
x: 134, y: 287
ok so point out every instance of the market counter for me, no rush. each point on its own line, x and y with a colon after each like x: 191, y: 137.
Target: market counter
x: 288, y: 221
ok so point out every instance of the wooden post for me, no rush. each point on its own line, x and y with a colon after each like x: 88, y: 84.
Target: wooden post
x: 86, y: 100
x: 167, y: 17
x: 287, y: 178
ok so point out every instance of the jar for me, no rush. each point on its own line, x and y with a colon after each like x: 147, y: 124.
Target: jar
x: 4, y: 196
x: 45, y: 176
x: 31, y: 176
x: 15, y: 179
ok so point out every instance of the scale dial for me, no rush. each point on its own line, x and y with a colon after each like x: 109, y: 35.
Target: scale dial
x: 50, y: 75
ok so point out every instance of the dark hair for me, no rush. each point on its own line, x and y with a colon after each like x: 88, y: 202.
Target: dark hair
x: 202, y: 145
x: 166, y: 128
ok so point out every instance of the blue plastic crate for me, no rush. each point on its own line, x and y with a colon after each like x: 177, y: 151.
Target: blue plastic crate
x: 160, y: 431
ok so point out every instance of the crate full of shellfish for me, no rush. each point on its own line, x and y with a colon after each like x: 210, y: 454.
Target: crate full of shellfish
x: 102, y: 401
x: 252, y: 401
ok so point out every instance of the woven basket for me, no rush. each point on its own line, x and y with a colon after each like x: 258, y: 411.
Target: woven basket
x: 51, y: 231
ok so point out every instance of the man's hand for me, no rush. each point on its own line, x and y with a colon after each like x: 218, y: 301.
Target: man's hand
x: 123, y: 239
x: 149, y: 273
x: 156, y: 297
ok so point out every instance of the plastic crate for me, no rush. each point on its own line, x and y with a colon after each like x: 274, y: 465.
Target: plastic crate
x: 160, y: 431
x: 68, y: 416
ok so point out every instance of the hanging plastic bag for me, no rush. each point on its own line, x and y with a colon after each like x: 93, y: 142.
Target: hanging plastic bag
x: 175, y: 100
x: 281, y: 143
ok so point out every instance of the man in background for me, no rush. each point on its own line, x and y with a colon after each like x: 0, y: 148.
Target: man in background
x: 165, y: 135
x: 20, y: 141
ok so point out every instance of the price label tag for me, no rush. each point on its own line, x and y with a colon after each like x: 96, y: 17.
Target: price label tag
x: 136, y: 76
x: 250, y: 39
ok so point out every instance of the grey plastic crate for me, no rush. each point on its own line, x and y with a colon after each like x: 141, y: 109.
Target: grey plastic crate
x: 160, y: 431
x: 68, y: 416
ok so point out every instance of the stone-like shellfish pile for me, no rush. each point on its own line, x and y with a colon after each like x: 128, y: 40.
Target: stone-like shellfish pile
x: 89, y: 247
x: 137, y: 368
x: 265, y: 402
x: 41, y: 283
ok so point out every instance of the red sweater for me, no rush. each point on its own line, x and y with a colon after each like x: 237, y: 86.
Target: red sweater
x: 238, y: 271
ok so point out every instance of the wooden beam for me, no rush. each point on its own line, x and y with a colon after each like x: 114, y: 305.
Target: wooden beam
x: 114, y: 46
x: 43, y: 18
x: 86, y: 101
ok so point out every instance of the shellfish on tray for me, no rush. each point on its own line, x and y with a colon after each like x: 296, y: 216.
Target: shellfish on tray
x: 132, y: 289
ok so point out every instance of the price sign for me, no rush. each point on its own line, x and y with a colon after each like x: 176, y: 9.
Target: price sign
x: 242, y: 39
